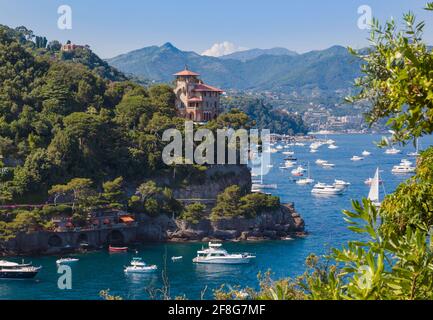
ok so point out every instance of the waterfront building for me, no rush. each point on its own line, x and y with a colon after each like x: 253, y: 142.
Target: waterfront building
x: 196, y: 100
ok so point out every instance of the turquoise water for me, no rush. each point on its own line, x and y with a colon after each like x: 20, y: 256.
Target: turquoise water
x: 324, y: 222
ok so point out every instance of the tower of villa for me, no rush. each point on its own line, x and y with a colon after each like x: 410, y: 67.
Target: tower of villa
x: 196, y: 100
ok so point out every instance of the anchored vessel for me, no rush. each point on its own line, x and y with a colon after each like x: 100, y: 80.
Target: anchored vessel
x: 138, y: 266
x: 12, y: 270
x: 215, y: 254
x: 326, y: 189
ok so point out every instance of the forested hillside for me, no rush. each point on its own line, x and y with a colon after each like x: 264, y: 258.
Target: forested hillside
x: 62, y: 117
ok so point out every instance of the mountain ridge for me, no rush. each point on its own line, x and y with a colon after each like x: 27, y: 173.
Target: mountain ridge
x: 315, y: 72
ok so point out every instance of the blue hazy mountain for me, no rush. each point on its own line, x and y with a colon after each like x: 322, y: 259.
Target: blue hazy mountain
x: 255, y: 53
x: 321, y: 71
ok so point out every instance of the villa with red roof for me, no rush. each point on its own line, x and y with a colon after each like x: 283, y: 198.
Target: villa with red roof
x: 196, y: 100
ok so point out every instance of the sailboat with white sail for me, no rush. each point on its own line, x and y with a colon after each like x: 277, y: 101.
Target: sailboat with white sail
x: 374, y: 196
x: 416, y: 153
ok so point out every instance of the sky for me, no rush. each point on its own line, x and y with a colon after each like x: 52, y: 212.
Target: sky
x: 213, y: 27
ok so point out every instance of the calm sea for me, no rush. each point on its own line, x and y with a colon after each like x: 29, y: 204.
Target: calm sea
x: 323, y: 217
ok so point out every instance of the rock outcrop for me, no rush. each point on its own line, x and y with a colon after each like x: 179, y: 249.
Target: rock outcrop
x: 281, y: 223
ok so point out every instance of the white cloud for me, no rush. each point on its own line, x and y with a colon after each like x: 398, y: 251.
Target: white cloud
x: 222, y: 49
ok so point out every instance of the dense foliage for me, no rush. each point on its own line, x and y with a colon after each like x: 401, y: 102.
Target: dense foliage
x: 234, y: 202
x: 266, y: 116
x: 60, y: 120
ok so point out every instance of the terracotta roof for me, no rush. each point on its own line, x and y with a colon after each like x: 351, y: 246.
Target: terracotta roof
x: 186, y: 72
x: 205, y: 87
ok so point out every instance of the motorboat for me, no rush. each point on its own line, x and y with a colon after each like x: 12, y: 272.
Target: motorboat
x: 215, y: 254
x: 320, y: 162
x: 12, y: 270
x: 288, y: 153
x: 392, y: 151
x: 117, y: 249
x: 138, y: 266
x: 333, y: 147
x: 403, y: 168
x: 373, y: 195
x: 279, y: 147
x: 369, y: 181
x: 176, y: 258
x: 298, y: 172
x: 67, y: 261
x: 341, y: 184
x: 326, y: 189
x: 305, y: 181
x: 357, y: 158
x: 290, y: 158
x: 328, y: 165
x: 366, y: 153
x: 313, y: 150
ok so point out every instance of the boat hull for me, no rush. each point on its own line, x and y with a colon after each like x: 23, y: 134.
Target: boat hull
x: 222, y: 261
x: 18, y: 274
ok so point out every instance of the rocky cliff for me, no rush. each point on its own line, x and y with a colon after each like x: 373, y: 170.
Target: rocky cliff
x: 281, y: 223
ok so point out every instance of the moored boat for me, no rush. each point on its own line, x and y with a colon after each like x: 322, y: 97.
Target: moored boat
x: 117, y: 249
x: 12, y: 270
x: 215, y: 254
x: 138, y: 266
x: 325, y: 189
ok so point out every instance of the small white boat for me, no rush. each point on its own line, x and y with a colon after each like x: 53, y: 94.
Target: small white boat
x: 392, y: 151
x: 341, y: 184
x: 304, y: 182
x: 333, y: 147
x: 357, y: 158
x: 369, y: 181
x: 288, y: 153
x: 366, y: 153
x: 176, y: 258
x: 328, y: 165
x: 326, y: 189
x: 67, y: 261
x: 320, y: 162
x: 279, y: 147
x: 138, y: 266
x: 215, y: 254
x: 313, y: 150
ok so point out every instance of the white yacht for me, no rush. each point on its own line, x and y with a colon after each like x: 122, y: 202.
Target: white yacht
x: 320, y: 162
x: 138, y: 266
x: 215, y: 254
x: 366, y: 153
x: 357, y: 158
x: 341, y: 184
x: 404, y: 167
x: 333, y: 147
x: 392, y: 151
x: 326, y: 189
x: 373, y: 195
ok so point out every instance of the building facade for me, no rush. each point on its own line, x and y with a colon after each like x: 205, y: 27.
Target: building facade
x: 196, y: 100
